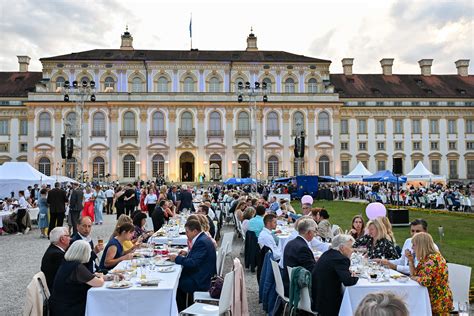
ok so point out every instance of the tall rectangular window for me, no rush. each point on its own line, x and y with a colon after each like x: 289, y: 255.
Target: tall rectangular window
x: 344, y: 146
x: 434, y: 145
x: 416, y: 127
x: 380, y: 126
x: 434, y: 128
x: 452, y: 127
x: 435, y: 166
x: 345, y: 167
x: 470, y: 168
x: 362, y: 126
x: 398, y: 128
x: 453, y: 169
x: 4, y: 127
x: 470, y: 126
x: 398, y: 146
x: 416, y: 145
x: 23, y: 127
x: 452, y: 145
x: 380, y: 165
x: 380, y: 145
x: 470, y: 145
x: 344, y: 126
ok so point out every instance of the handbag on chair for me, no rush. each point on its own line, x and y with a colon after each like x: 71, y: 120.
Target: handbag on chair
x: 216, y: 286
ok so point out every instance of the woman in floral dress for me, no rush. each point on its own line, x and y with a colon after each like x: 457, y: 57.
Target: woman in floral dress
x: 377, y: 242
x: 431, y: 272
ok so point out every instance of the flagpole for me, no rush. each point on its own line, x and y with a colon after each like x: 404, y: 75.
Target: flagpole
x: 191, y: 30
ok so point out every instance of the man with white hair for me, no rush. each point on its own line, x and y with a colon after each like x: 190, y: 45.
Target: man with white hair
x: 330, y: 272
x: 54, y: 255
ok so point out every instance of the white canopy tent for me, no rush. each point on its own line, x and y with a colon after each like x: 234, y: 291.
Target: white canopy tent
x: 17, y: 176
x: 63, y: 179
x: 356, y: 175
x: 420, y: 173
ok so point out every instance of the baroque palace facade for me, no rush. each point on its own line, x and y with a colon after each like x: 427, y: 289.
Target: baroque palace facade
x: 176, y: 113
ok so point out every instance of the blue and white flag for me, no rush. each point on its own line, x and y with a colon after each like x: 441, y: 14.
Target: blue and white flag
x: 191, y: 27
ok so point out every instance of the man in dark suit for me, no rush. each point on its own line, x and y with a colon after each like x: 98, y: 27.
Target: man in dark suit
x: 54, y: 255
x: 330, y: 272
x: 75, y: 205
x: 185, y: 199
x: 84, y: 228
x: 173, y: 195
x: 158, y: 216
x: 57, y: 200
x: 199, y: 265
x: 298, y: 252
x: 130, y: 199
x: 204, y: 209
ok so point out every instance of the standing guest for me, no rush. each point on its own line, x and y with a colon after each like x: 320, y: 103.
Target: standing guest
x: 57, y: 200
x: 431, y: 272
x: 72, y: 282
x: 378, y: 246
x: 109, y: 195
x: 173, y: 195
x: 52, y: 258
x: 143, y: 194
x: 99, y: 201
x: 158, y: 216
x: 199, y: 265
x: 88, y: 203
x: 332, y: 271
x: 357, y: 228
x: 113, y: 252
x: 76, y: 205
x: 150, y: 201
x: 23, y: 205
x: 185, y: 199
x: 267, y: 238
x: 43, y: 213
x: 119, y: 201
x: 256, y: 223
x: 84, y: 228
x: 129, y: 199
x: 204, y: 209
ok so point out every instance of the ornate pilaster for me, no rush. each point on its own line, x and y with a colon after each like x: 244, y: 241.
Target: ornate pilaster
x: 229, y: 141
x: 286, y: 140
x: 113, y: 136
x: 172, y: 159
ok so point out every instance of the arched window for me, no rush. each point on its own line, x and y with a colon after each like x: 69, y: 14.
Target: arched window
x: 137, y: 84
x: 215, y: 121
x: 44, y: 124
x: 297, y: 172
x: 129, y: 121
x: 215, y: 163
x: 98, y: 168
x: 243, y: 166
x: 44, y: 166
x: 109, y: 82
x: 243, y: 121
x: 71, y: 168
x: 85, y: 78
x: 323, y: 124
x: 268, y: 81
x: 324, y: 166
x: 188, y: 84
x: 158, y: 121
x: 158, y: 166
x: 289, y: 85
x: 214, y: 85
x: 162, y: 84
x: 60, y: 82
x: 273, y: 128
x: 273, y: 167
x: 237, y: 83
x: 187, y: 121
x: 71, y: 124
x: 312, y: 86
x: 129, y: 166
x: 298, y: 123
x: 98, y: 124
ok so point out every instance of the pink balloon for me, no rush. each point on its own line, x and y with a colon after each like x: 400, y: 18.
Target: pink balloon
x: 374, y: 210
x: 307, y: 199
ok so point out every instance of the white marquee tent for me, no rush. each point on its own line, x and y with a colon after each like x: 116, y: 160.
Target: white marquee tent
x: 63, y: 179
x: 420, y: 173
x: 356, y: 175
x: 17, y: 176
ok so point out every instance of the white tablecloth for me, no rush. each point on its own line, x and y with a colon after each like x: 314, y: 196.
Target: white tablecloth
x: 180, y: 240
x: 4, y: 214
x: 33, y: 213
x: 136, y: 300
x: 414, y: 295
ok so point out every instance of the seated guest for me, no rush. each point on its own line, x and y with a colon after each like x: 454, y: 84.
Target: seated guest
x: 72, y: 282
x: 324, y: 226
x: 123, y: 218
x: 84, y: 233
x: 388, y: 227
x: 199, y: 265
x: 383, y: 303
x: 140, y: 222
x: 170, y: 210
x: 204, y: 227
x: 297, y: 252
x: 274, y: 205
x: 239, y: 210
x: 267, y: 237
x: 248, y: 215
x: 331, y: 271
x: 54, y: 255
x: 431, y: 272
x: 113, y: 252
x: 378, y: 246
x: 204, y: 209
x: 158, y: 216
x: 256, y: 223
x: 358, y: 227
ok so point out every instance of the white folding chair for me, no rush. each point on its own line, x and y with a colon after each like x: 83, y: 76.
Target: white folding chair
x: 305, y: 300
x: 459, y: 278
x: 228, y: 238
x: 224, y: 302
x: 279, y: 284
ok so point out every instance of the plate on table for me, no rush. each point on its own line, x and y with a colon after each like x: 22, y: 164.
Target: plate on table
x: 120, y: 271
x: 166, y: 269
x: 165, y: 263
x: 120, y: 285
x: 149, y: 282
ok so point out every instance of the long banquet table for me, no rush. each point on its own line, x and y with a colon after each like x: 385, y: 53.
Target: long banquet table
x: 136, y: 300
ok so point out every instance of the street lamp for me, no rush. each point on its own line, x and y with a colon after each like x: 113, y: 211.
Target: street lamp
x: 79, y: 92
x: 250, y: 93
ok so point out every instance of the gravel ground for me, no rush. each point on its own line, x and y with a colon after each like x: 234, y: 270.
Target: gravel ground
x: 20, y: 259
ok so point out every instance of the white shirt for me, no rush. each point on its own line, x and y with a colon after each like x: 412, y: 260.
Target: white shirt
x: 195, y: 238
x: 265, y: 238
x: 23, y: 203
x: 150, y: 198
x: 109, y: 193
x: 87, y: 196
x: 314, y: 243
x: 211, y: 214
x: 402, y: 262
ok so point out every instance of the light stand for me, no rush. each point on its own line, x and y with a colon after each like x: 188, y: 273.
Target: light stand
x: 79, y: 92
x: 251, y: 92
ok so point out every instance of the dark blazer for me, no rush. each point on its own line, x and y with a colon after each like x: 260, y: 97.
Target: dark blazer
x: 198, y: 266
x: 212, y: 227
x: 330, y: 272
x: 186, y: 200
x: 52, y: 259
x: 89, y: 265
x: 158, y: 218
x: 57, y: 199
x: 172, y: 197
x: 75, y: 204
x: 297, y: 254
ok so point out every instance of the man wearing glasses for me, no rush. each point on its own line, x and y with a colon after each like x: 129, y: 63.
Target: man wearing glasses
x: 54, y: 255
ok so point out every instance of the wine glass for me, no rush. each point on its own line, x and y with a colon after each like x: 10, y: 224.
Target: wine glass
x: 463, y: 308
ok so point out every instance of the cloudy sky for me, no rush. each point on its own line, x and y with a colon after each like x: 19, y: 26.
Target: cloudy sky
x: 407, y: 30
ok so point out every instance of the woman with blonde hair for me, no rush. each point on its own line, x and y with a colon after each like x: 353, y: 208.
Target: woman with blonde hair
x: 376, y: 241
x: 239, y: 210
x: 431, y: 272
x: 248, y: 215
x: 163, y: 193
x: 388, y: 227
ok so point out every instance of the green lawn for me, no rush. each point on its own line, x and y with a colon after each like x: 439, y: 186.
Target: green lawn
x: 457, y: 245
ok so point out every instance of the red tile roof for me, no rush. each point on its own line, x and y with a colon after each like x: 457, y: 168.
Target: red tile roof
x: 18, y: 84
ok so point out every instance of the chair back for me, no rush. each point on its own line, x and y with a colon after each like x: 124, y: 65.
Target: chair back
x: 459, y: 278
x: 305, y: 300
x: 228, y: 238
x: 227, y: 293
x: 220, y: 261
x: 278, y: 280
